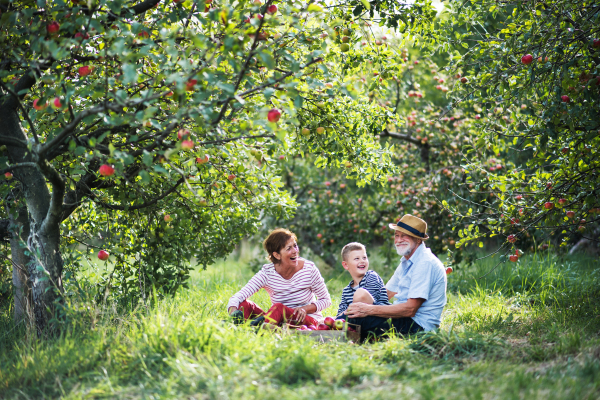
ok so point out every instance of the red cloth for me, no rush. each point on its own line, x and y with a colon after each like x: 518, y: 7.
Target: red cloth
x: 277, y: 314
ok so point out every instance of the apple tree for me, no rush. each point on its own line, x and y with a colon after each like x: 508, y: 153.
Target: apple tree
x: 535, y: 74
x: 146, y: 133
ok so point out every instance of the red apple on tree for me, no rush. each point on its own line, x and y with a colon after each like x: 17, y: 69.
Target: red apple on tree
x: 527, y: 59
x: 570, y: 214
x: 106, y: 170
x: 56, y: 103
x: 596, y: 43
x: 231, y: 177
x: 202, y: 160
x: 565, y: 98
x: 548, y: 205
x: 511, y: 238
x: 168, y: 218
x: 103, y: 255
x: 189, y: 85
x: 8, y: 176
x: 39, y: 107
x: 272, y: 9
x: 274, y: 115
x: 84, y: 71
x: 53, y: 28
x: 513, y: 258
x: 187, y: 144
x: 182, y: 134
x: 562, y: 201
x: 449, y: 270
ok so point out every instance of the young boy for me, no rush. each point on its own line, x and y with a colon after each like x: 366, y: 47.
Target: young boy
x: 366, y: 286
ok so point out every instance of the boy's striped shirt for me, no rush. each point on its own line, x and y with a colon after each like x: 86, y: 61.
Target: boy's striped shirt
x: 372, y: 283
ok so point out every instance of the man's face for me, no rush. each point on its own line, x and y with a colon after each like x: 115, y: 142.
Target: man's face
x: 405, y: 244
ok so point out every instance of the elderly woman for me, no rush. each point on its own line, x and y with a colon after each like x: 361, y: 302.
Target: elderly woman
x: 292, y: 283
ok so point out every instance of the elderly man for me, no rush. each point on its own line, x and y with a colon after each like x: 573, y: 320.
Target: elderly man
x: 418, y: 287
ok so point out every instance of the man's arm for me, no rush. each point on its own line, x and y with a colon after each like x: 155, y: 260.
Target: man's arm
x: 408, y: 309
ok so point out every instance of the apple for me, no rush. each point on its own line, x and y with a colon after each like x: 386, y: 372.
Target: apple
x: 596, y: 43
x: 274, y: 115
x: 548, y: 205
x: 187, y: 144
x: 342, y: 185
x: 338, y: 324
x: 449, y: 270
x: 189, y: 85
x: 53, y: 28
x: 345, y: 47
x: 319, y: 235
x: 305, y: 131
x: 527, y: 59
x: 56, y: 103
x: 565, y: 150
x: 329, y: 322
x: 231, y: 177
x: 511, y: 238
x: 581, y: 228
x: 8, y: 176
x: 103, y: 255
x: 320, y: 130
x: 143, y: 34
x: 303, y: 328
x: 168, y: 218
x: 323, y: 327
x: 513, y: 258
x: 39, y: 107
x: 562, y: 201
x: 182, y: 134
x: 565, y: 98
x: 202, y: 160
x: 521, y: 211
x: 348, y: 164
x: 378, y: 42
x: 346, y: 39
x: 82, y: 36
x: 519, y: 197
x: 84, y: 71
x: 106, y: 170
x: 312, y: 327
x: 327, y: 183
x: 272, y: 9
x: 464, y: 79
x: 570, y: 214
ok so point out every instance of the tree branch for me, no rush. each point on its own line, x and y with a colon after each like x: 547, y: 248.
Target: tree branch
x: 144, y: 205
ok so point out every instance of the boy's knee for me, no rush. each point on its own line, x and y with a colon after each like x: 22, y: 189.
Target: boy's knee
x: 362, y: 296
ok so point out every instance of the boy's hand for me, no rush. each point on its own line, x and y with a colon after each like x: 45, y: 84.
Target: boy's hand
x: 358, y: 310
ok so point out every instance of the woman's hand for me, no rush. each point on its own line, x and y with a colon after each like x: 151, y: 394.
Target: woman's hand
x: 299, y: 314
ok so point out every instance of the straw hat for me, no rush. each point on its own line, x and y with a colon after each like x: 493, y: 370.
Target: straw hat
x: 412, y: 226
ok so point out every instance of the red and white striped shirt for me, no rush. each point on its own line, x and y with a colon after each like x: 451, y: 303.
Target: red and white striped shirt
x: 298, y: 291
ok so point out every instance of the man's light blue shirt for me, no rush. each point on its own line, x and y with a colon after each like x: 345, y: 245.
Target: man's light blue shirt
x: 422, y: 276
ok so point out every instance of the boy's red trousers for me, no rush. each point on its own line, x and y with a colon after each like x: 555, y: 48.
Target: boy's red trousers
x: 277, y: 314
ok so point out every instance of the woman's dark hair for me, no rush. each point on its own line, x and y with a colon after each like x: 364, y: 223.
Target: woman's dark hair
x: 276, y: 241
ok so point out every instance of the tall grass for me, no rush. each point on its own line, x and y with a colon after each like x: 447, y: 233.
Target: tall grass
x: 526, y: 330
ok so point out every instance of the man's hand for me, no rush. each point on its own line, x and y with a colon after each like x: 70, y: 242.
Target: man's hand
x: 359, y: 310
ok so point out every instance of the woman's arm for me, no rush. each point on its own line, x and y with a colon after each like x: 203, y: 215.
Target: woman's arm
x: 256, y: 283
x: 320, y: 290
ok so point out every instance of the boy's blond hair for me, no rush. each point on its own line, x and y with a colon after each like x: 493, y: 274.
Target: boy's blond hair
x: 351, y: 247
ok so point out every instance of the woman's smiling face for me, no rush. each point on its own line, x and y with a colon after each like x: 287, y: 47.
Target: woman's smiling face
x: 289, y: 254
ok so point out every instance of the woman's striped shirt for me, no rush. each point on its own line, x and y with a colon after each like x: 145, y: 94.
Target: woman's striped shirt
x: 298, y: 291
x: 372, y: 283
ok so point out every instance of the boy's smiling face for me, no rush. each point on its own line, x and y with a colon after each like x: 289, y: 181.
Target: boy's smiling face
x: 357, y: 263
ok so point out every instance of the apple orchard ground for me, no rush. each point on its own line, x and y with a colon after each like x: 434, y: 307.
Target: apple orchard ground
x: 528, y: 330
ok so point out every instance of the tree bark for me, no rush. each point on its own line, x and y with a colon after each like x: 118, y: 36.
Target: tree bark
x: 19, y: 228
x: 45, y: 262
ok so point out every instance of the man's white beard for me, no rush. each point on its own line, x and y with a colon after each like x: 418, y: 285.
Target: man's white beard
x: 404, y: 250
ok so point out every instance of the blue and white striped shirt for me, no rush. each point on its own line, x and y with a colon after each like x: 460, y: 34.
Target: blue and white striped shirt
x: 372, y: 283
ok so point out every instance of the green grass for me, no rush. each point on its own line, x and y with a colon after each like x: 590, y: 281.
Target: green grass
x: 526, y: 330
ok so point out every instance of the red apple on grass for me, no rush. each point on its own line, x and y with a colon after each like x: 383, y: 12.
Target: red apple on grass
x: 329, y: 322
x: 103, y: 255
x: 339, y: 324
x: 323, y: 327
x: 312, y: 327
x: 106, y: 170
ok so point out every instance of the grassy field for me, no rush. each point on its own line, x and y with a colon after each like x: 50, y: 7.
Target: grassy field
x: 524, y: 331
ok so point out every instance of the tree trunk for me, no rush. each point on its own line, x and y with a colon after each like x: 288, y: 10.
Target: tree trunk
x: 45, y: 266
x: 19, y: 227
